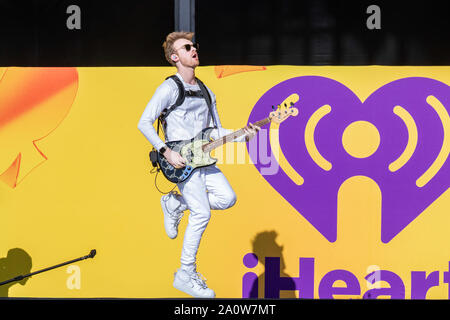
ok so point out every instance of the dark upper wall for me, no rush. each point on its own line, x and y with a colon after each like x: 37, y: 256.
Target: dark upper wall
x: 324, y: 32
x: 298, y: 32
x: 113, y: 33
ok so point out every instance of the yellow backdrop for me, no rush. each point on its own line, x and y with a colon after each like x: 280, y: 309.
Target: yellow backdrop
x: 86, y: 185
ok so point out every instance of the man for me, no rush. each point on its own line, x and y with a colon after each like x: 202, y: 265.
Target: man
x: 207, y: 188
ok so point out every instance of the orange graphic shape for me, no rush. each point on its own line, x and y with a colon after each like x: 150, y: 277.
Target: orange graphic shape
x: 10, y: 175
x: 33, y: 102
x: 225, y: 71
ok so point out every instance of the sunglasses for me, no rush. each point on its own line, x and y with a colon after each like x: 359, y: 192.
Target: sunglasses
x: 188, y: 47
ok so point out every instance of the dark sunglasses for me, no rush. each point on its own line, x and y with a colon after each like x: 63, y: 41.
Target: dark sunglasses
x: 189, y: 46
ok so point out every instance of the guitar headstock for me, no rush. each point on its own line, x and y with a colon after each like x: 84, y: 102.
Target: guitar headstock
x: 282, y: 112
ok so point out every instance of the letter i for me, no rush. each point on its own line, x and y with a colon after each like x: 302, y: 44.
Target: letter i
x: 250, y: 279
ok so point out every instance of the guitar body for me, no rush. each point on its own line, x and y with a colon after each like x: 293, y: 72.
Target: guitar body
x: 191, y: 151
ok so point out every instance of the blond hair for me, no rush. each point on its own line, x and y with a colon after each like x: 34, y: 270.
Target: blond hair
x: 170, y: 40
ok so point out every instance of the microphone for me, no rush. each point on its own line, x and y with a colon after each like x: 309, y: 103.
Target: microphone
x: 92, y: 253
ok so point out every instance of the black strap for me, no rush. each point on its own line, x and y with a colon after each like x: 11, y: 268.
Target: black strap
x: 182, y: 93
x: 208, y: 99
x: 194, y: 94
x: 180, y: 99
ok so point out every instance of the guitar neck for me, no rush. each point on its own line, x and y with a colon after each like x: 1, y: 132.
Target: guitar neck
x: 230, y: 137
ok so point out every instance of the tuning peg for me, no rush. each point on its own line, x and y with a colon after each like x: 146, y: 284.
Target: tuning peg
x: 285, y: 105
x: 292, y: 103
x: 273, y: 107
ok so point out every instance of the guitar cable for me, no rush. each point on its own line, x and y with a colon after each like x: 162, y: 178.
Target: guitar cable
x: 156, y: 169
x: 153, y: 159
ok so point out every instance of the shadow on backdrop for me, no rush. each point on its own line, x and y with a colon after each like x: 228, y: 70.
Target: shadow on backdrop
x: 264, y: 245
x: 17, y: 262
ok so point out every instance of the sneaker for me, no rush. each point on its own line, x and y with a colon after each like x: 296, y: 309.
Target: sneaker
x: 173, y: 212
x: 192, y: 283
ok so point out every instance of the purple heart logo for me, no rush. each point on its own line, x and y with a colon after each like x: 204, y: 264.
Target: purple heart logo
x: 410, y: 163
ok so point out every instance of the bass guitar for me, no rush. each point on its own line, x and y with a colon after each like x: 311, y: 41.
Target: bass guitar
x: 196, y: 151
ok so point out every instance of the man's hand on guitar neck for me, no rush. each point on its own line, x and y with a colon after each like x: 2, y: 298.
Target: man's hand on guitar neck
x: 251, y: 130
x: 174, y: 158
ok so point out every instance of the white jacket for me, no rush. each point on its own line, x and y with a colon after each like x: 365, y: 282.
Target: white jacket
x: 185, y: 121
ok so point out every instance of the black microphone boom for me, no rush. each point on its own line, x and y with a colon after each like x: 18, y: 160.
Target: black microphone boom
x: 19, y: 278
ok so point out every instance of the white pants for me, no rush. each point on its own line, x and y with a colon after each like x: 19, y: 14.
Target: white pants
x: 206, y: 189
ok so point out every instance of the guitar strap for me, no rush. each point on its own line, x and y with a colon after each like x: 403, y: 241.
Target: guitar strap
x: 182, y: 93
x: 207, y: 97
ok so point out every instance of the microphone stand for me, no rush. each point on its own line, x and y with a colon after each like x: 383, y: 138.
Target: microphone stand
x: 18, y: 278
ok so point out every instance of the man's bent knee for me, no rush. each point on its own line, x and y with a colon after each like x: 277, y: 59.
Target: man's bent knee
x: 229, y: 200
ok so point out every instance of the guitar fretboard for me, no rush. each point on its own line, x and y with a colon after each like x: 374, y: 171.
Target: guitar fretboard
x: 230, y: 137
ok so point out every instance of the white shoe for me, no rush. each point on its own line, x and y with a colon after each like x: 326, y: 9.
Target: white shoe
x: 192, y: 284
x: 173, y: 212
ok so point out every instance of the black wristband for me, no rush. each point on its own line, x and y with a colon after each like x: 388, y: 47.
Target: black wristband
x: 162, y: 150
